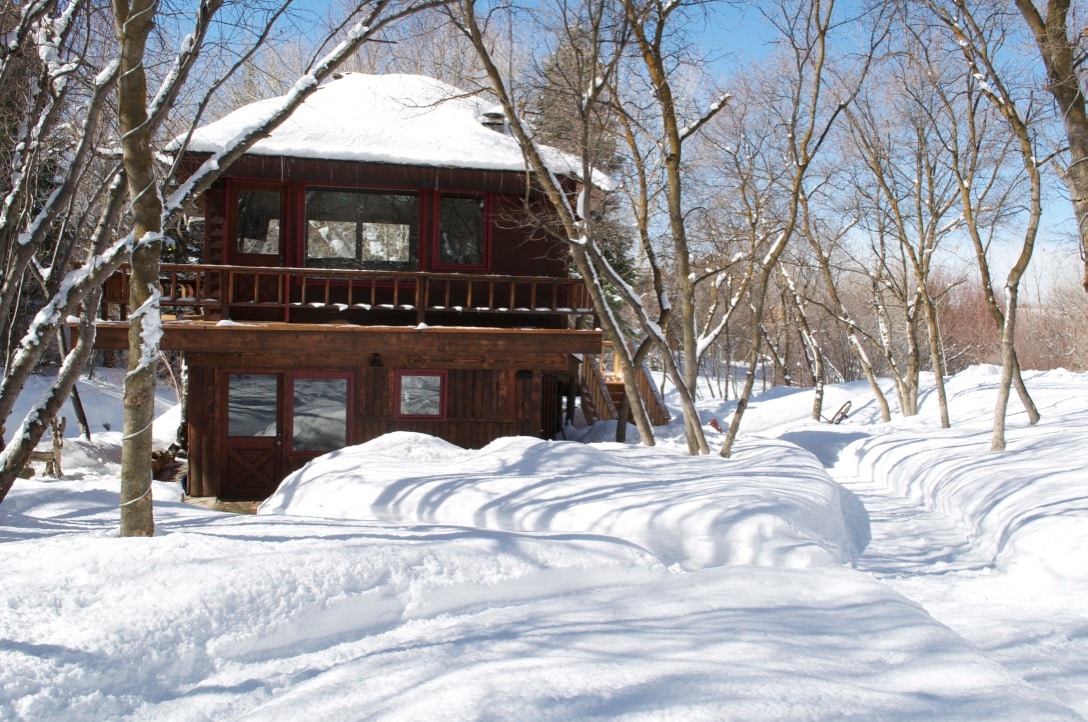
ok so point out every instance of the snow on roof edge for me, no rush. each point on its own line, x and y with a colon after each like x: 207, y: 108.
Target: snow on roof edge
x: 395, y: 119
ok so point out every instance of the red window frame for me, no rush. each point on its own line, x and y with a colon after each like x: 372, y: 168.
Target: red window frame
x: 443, y: 395
x: 436, y: 232
x: 231, y: 253
x: 288, y: 417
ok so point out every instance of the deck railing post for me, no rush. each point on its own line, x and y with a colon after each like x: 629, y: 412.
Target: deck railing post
x: 284, y: 288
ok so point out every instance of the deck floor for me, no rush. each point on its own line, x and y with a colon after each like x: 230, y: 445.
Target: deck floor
x: 216, y: 504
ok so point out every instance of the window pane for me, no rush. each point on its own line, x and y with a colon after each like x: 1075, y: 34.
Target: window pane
x: 462, y: 228
x: 354, y: 229
x: 251, y: 404
x: 320, y: 414
x: 259, y: 222
x: 421, y: 395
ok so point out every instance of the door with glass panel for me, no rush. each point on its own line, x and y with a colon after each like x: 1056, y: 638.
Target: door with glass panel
x: 253, y: 448
x: 316, y: 416
x: 257, y: 237
x: 276, y: 423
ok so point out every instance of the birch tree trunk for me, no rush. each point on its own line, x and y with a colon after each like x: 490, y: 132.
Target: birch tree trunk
x: 978, y: 39
x: 1063, y: 68
x: 133, y: 22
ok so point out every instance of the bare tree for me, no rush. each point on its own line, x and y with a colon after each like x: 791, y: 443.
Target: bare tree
x: 1063, y: 56
x: 826, y: 241
x: 658, y: 132
x: 915, y: 197
x: 979, y: 39
x: 572, y: 214
x: 806, y: 117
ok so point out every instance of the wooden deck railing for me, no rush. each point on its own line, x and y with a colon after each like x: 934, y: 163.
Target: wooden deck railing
x: 651, y: 397
x: 247, y: 292
x: 597, y: 404
x: 595, y: 389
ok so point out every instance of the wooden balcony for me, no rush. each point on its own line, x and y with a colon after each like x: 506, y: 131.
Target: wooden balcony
x: 311, y: 295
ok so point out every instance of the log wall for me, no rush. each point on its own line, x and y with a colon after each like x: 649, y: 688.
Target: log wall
x: 518, y: 245
x: 481, y: 405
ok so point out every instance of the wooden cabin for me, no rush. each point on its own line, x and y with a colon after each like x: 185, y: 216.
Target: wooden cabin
x: 370, y: 266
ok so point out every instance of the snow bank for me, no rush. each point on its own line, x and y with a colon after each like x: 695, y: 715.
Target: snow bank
x: 1025, y: 505
x: 274, y: 617
x: 772, y: 505
x: 287, y: 617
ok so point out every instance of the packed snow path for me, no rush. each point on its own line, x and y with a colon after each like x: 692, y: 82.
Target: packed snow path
x: 924, y: 553
x: 907, y: 539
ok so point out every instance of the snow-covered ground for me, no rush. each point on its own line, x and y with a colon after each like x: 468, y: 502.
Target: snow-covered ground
x: 867, y: 570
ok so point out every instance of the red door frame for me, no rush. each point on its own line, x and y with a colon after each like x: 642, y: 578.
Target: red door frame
x: 253, y: 466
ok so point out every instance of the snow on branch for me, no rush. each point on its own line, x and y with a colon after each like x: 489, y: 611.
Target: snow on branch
x: 689, y: 130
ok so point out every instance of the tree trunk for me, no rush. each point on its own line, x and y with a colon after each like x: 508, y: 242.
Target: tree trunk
x: 758, y: 301
x: 1008, y: 361
x: 1022, y: 391
x: 133, y: 23
x: 934, y: 332
x: 1059, y: 54
x: 77, y: 402
x: 742, y: 400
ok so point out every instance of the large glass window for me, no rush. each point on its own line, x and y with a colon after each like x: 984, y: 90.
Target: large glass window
x: 421, y: 395
x: 361, y: 229
x: 319, y: 414
x: 251, y: 403
x: 461, y: 231
x: 258, y: 229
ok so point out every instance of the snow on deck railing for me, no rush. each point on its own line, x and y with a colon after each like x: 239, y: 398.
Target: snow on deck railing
x: 216, y: 292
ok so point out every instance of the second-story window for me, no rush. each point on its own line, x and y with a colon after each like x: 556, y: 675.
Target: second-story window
x: 258, y: 231
x: 461, y: 229
x: 361, y: 229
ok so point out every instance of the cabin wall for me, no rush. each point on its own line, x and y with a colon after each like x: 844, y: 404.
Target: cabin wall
x: 518, y: 246
x: 481, y: 405
x: 204, y: 431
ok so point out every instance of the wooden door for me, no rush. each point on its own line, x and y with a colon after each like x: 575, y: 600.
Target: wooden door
x: 317, y: 416
x: 258, y: 237
x: 253, y: 445
x: 275, y: 423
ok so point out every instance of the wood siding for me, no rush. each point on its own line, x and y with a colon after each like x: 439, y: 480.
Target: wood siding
x: 481, y: 405
x: 204, y: 431
x: 518, y: 245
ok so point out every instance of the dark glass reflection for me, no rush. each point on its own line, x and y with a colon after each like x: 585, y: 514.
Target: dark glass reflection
x: 361, y: 230
x: 319, y: 414
x: 259, y: 222
x: 462, y: 229
x: 251, y: 405
x: 421, y: 395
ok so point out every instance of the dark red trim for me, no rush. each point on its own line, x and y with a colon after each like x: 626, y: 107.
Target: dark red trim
x: 231, y: 255
x: 436, y: 241
x: 443, y: 395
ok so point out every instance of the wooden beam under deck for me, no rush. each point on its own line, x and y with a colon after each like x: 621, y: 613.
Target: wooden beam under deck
x: 315, y: 345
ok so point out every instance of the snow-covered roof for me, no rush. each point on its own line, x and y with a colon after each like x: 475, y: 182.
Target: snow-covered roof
x: 397, y: 118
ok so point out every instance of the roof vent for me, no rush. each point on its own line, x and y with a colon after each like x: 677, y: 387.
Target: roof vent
x: 494, y: 119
